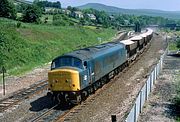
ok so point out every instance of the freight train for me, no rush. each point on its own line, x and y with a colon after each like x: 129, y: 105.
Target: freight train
x: 76, y: 75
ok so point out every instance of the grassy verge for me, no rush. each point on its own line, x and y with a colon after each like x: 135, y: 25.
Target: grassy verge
x: 173, y: 46
x: 31, y: 45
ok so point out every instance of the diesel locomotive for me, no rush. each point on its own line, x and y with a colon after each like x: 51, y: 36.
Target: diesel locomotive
x: 76, y: 75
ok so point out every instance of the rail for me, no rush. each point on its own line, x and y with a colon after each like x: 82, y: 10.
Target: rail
x: 22, y: 94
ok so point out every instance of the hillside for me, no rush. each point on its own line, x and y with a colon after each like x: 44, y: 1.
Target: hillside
x: 116, y: 10
x: 31, y: 45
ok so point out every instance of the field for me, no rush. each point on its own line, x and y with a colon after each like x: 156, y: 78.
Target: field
x: 31, y: 45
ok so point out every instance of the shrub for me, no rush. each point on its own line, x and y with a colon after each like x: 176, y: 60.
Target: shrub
x: 7, y: 9
x: 18, y: 24
x: 32, y: 14
x: 58, y: 20
x: 178, y: 43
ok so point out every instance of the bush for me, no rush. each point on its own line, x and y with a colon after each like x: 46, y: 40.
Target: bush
x: 32, y: 14
x: 7, y: 9
x: 71, y: 24
x: 178, y: 43
x: 58, y: 20
x: 18, y: 24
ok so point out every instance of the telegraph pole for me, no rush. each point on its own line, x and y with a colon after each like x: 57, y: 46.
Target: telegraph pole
x: 3, y: 71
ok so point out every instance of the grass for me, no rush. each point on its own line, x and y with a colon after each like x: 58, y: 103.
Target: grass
x: 32, y: 45
x: 173, y: 46
x: 173, y: 43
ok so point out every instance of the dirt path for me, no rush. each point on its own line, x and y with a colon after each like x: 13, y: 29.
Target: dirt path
x: 118, y: 98
x: 159, y: 106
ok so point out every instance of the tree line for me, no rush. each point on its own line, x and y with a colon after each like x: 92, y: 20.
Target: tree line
x: 32, y: 13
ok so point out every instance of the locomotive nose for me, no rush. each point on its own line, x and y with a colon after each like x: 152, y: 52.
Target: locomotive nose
x: 64, y: 80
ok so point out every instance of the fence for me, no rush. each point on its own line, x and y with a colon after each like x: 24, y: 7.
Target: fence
x: 144, y: 92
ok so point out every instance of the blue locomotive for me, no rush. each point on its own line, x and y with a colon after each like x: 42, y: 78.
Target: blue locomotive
x: 75, y: 75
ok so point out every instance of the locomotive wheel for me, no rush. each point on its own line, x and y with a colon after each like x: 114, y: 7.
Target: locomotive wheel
x: 49, y: 94
x: 79, y: 100
x: 54, y: 99
x: 84, y: 95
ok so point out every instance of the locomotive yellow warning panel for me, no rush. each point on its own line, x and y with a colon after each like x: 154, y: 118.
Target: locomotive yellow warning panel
x: 64, y: 80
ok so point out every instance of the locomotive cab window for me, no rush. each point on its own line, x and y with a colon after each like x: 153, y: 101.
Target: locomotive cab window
x: 66, y: 61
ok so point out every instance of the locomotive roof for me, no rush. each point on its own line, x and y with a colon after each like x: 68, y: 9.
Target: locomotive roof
x: 89, y: 52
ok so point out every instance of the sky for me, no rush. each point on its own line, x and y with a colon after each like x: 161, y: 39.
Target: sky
x: 167, y: 5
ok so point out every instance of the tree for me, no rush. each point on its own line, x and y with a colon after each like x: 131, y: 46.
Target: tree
x: 58, y: 20
x: 69, y: 8
x: 82, y: 21
x: 7, y: 9
x: 32, y: 14
x: 137, y: 26
x: 43, y: 4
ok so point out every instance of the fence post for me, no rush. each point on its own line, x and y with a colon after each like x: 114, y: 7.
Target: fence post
x: 113, y: 118
x: 135, y: 112
x: 140, y: 101
x: 146, y: 89
x: 150, y: 79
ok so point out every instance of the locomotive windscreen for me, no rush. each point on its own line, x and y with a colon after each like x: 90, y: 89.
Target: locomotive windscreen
x: 66, y: 61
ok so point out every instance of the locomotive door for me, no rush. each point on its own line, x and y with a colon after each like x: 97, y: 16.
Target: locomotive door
x: 91, y: 72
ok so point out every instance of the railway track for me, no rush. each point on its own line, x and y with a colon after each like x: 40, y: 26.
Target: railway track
x: 22, y: 94
x: 45, y: 114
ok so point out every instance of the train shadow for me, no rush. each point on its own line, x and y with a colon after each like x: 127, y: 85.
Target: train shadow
x: 46, y: 102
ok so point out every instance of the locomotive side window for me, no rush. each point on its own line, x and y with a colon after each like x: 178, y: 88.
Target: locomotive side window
x: 77, y: 63
x: 85, y: 64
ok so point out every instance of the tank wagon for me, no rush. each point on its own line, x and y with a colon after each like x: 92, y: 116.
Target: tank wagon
x: 76, y: 75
